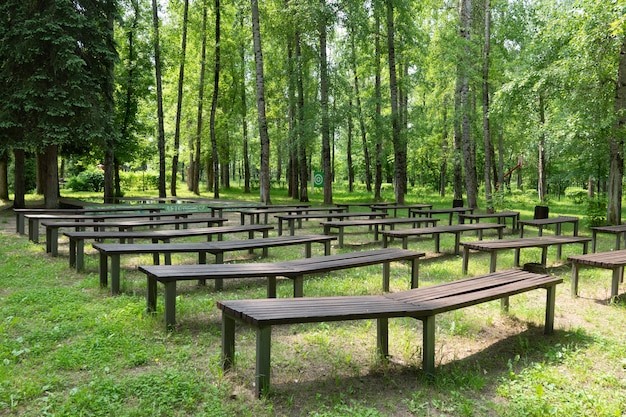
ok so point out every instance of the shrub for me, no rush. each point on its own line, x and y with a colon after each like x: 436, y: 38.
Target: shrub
x: 577, y: 195
x: 92, y: 180
x: 596, y: 212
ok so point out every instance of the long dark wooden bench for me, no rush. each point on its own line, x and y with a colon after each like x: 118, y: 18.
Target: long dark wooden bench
x: 34, y: 219
x: 292, y: 218
x: 378, y: 224
x: 436, y: 231
x: 618, y: 230
x: 113, y: 251
x: 449, y: 211
x: 77, y: 239
x: 169, y: 275
x: 52, y: 227
x: 613, y: 260
x: 494, y: 246
x: 541, y: 223
x: 21, y: 213
x: 500, y: 217
x: 256, y: 213
x: 419, y: 303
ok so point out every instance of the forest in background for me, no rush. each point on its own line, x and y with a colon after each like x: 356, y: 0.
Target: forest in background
x: 447, y: 94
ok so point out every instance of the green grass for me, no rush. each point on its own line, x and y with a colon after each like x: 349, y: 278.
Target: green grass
x: 67, y: 348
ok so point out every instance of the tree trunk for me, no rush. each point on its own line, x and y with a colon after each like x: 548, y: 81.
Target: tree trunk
x: 399, y: 144
x: 19, y: 179
x: 359, y: 109
x: 179, y: 102
x: 378, y: 172
x: 486, y: 125
x: 264, y: 174
x: 216, y: 82
x: 328, y: 180
x: 616, y: 144
x: 349, y: 149
x: 542, y: 186
x: 4, y: 175
x: 302, y: 134
x: 159, y: 92
x: 443, y: 168
x: 292, y: 111
x: 51, y: 177
x: 244, y: 117
x: 194, y: 162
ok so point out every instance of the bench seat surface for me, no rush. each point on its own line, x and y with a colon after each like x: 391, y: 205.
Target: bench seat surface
x: 418, y: 302
x: 374, y: 222
x: 454, y: 228
x: 201, y: 231
x: 606, y: 260
x: 524, y: 242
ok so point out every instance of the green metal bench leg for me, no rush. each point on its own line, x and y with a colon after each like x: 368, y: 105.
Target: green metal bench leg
x: 574, y: 289
x: 263, y: 353
x: 115, y: 274
x: 151, y: 295
x: 382, y: 337
x: 386, y: 275
x: 103, y: 270
x: 428, y: 337
x: 170, y: 304
x: 228, y: 342
x: 550, y: 302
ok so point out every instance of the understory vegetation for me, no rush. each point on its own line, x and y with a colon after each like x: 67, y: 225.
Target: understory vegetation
x: 69, y: 348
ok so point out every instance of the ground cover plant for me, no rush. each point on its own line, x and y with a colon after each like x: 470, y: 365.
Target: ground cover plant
x: 68, y: 348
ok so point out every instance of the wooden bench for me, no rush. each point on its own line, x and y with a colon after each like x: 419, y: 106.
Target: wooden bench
x: 541, y: 223
x: 494, y: 246
x: 419, y: 303
x: 52, y: 228
x: 255, y: 214
x: 378, y: 224
x: 613, y: 260
x: 395, y: 207
x: 218, y: 209
x: 169, y: 275
x: 449, y: 211
x: 436, y: 231
x: 499, y: 216
x: 618, y: 230
x: 113, y: 251
x: 347, y: 206
x: 34, y: 219
x: 291, y: 218
x: 77, y: 239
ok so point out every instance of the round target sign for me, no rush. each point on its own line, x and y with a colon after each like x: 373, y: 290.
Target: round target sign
x: 318, y: 179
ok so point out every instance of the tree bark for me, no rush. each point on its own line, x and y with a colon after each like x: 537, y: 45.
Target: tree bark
x: 378, y: 172
x: 4, y: 175
x: 443, y: 168
x: 195, y: 158
x: 19, y: 179
x: 542, y: 186
x: 486, y: 121
x: 349, y: 150
x: 244, y: 117
x: 51, y: 177
x: 216, y: 83
x: 399, y: 144
x: 264, y: 174
x: 159, y: 92
x: 616, y: 144
x: 302, y: 134
x: 179, y: 101
x: 328, y: 180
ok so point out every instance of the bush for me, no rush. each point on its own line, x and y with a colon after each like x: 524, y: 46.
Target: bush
x: 577, y: 195
x: 92, y: 180
x: 596, y: 212
x: 139, y: 181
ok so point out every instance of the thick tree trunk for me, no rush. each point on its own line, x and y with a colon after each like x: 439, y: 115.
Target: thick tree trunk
x: 244, y: 117
x: 542, y: 186
x: 443, y: 168
x: 195, y: 157
x: 616, y: 144
x: 51, y: 177
x: 4, y: 175
x: 264, y: 174
x: 19, y: 179
x: 399, y: 143
x: 349, y: 150
x: 302, y: 134
x: 216, y: 83
x: 179, y: 101
x: 378, y: 172
x: 326, y: 165
x: 159, y: 93
x: 486, y: 121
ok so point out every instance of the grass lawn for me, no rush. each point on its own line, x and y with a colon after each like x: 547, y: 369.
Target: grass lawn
x: 68, y: 348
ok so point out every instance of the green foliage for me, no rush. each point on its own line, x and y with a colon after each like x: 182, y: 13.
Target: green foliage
x: 576, y: 194
x: 596, y: 212
x: 89, y: 180
x: 139, y: 180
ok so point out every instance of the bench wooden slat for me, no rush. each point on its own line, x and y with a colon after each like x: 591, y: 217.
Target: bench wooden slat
x: 421, y: 303
x: 613, y: 260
